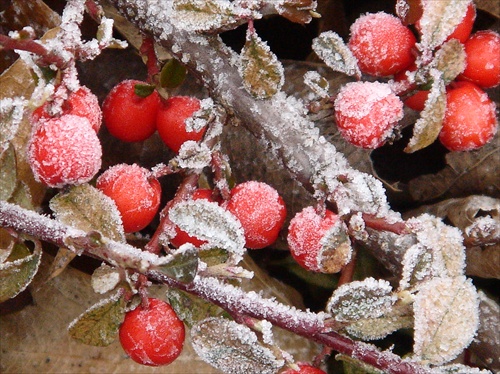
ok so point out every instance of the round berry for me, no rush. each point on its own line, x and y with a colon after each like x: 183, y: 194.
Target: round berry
x: 127, y: 116
x: 135, y: 192
x: 81, y: 102
x: 181, y: 237
x: 319, y: 242
x: 171, y: 121
x: 482, y: 59
x: 153, y: 335
x: 303, y: 368
x: 417, y: 100
x: 366, y: 113
x: 64, y: 150
x: 470, y: 121
x: 260, y: 210
x: 381, y: 44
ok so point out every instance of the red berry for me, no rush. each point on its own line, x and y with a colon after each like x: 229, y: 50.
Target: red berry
x: 305, y: 233
x: 81, y: 102
x: 154, y: 335
x: 171, y: 118
x: 483, y: 59
x: 366, y: 113
x: 261, y: 211
x: 470, y: 121
x: 381, y: 44
x: 127, y: 116
x: 64, y: 150
x: 417, y: 100
x: 181, y: 237
x: 135, y: 192
x: 304, y: 369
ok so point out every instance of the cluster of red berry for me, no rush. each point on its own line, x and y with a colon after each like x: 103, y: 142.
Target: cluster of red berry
x: 366, y: 113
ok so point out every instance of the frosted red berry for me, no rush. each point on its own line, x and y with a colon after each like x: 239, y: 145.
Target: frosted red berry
x: 482, y: 59
x: 181, y: 237
x: 171, y: 121
x: 303, y: 368
x: 470, y: 119
x: 305, y: 232
x: 81, y: 102
x: 154, y: 335
x: 366, y: 113
x: 64, y: 150
x: 127, y: 116
x: 417, y: 100
x: 381, y: 44
x: 135, y: 192
x: 261, y: 211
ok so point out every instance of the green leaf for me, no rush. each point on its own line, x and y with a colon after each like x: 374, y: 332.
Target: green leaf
x: 192, y: 309
x: 213, y: 256
x: 8, y: 172
x: 11, y: 115
x: 184, y: 264
x: 439, y: 19
x: 260, y: 69
x: 446, y: 318
x: 354, y: 366
x: 172, y: 74
x: 143, y: 90
x: 21, y: 196
x: 429, y: 124
x: 16, y: 274
x: 232, y: 348
x: 98, y: 326
x: 450, y: 60
x: 88, y: 209
x: 330, y: 47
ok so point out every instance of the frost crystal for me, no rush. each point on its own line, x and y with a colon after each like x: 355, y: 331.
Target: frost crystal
x: 330, y: 47
x: 317, y: 83
x: 193, y: 155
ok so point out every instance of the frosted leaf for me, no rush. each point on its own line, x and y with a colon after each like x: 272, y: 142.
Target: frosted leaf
x: 8, y: 172
x: 330, y: 47
x: 208, y: 15
x: 209, y: 222
x: 88, y: 209
x: 318, y: 84
x: 429, y: 124
x: 98, y: 325
x: 16, y: 275
x: 104, y: 279
x: 357, y: 300
x: 450, y: 60
x: 336, y: 249
x: 439, y: 19
x: 182, y: 265
x: 232, y: 348
x: 11, y: 115
x: 446, y: 318
x: 417, y: 266
x: 458, y: 369
x: 378, y: 328
x: 262, y: 73
x: 194, y: 155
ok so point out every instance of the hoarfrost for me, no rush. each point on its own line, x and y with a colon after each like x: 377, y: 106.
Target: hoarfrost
x: 330, y: 47
x: 11, y: 115
x: 193, y: 155
x: 317, y: 84
x: 104, y: 279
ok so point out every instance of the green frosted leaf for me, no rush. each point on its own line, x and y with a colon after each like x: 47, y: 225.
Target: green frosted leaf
x: 8, y: 172
x: 330, y: 47
x: 184, y: 264
x: 450, y: 60
x: 172, y: 74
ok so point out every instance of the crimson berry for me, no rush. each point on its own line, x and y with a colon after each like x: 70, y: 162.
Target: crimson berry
x: 482, y: 59
x: 378, y: 53
x: 470, y: 121
x: 152, y: 335
x: 366, y: 113
x: 181, y: 237
x: 260, y: 210
x: 417, y: 100
x: 303, y: 369
x: 135, y: 192
x: 81, y: 102
x: 171, y: 121
x: 128, y: 116
x: 64, y: 150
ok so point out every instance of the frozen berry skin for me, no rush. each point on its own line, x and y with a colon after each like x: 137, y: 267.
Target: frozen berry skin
x: 366, y: 113
x: 135, y: 192
x: 482, y: 59
x: 171, y: 121
x: 127, y: 116
x: 305, y: 232
x: 417, y: 100
x: 152, y: 336
x: 470, y: 120
x: 381, y: 44
x: 64, y: 151
x: 304, y: 369
x: 81, y: 102
x: 260, y: 210
x: 181, y: 237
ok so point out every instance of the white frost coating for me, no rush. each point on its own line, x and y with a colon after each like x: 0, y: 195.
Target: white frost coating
x: 330, y: 47
x: 104, y: 279
x: 198, y: 120
x: 457, y: 369
x: 208, y: 221
x: 317, y: 83
x: 266, y: 329
x: 193, y: 155
x: 11, y: 115
x: 356, y: 300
